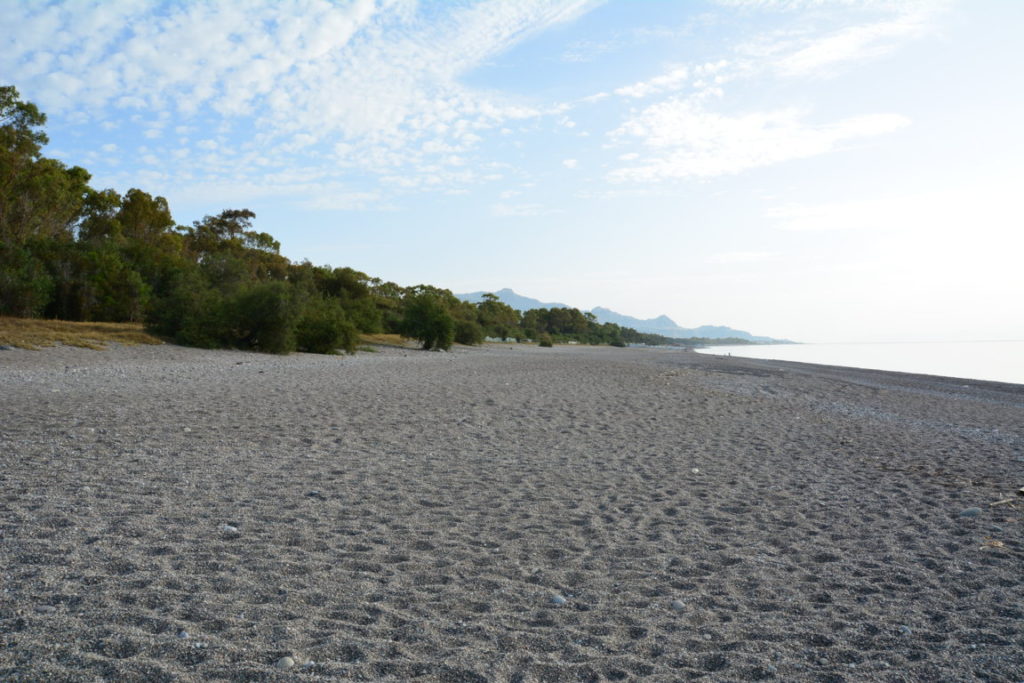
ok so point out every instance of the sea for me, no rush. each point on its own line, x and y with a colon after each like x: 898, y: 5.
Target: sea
x: 998, y: 361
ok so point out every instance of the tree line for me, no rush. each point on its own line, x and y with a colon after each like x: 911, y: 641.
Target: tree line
x: 73, y: 252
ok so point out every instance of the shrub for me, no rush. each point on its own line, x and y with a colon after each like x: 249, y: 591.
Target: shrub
x: 545, y: 341
x: 324, y: 328
x: 263, y: 316
x: 468, y: 332
x: 191, y: 314
x: 25, y: 286
x: 428, y: 320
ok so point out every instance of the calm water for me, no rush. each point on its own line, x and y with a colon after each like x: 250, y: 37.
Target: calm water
x: 1000, y: 361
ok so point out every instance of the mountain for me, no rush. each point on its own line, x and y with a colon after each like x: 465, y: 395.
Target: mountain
x: 662, y: 325
x: 507, y: 296
x: 667, y: 327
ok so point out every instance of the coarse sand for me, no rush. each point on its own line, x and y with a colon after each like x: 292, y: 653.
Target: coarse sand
x: 504, y: 513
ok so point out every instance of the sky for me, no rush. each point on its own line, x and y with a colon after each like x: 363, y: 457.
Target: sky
x: 830, y: 171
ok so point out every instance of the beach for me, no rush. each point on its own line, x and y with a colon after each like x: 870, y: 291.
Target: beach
x: 505, y: 513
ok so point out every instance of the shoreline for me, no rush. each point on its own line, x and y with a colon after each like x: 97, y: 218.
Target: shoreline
x: 864, y: 356
x: 504, y: 513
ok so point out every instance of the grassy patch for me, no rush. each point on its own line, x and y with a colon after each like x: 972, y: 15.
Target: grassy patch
x: 393, y: 340
x: 33, y: 334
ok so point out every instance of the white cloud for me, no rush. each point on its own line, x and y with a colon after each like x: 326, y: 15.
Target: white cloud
x: 380, y: 78
x: 672, y: 80
x: 853, y: 44
x: 687, y: 140
x: 570, y: 163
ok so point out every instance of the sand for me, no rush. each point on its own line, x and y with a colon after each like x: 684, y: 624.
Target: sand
x: 504, y: 513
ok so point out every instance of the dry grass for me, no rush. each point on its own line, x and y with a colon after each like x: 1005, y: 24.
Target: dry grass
x: 32, y: 334
x: 393, y: 340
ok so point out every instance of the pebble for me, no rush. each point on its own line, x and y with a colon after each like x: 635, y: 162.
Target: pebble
x: 46, y: 609
x: 228, y: 529
x: 970, y: 512
x: 285, y: 663
x: 678, y: 605
x: 183, y: 634
x: 905, y: 630
x: 696, y: 470
x: 557, y: 599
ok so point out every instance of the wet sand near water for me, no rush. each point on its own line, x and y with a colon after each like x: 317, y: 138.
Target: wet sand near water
x: 506, y: 514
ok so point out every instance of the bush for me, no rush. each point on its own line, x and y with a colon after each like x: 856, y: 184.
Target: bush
x: 545, y: 341
x: 324, y: 328
x: 25, y: 286
x: 192, y: 314
x: 468, y: 332
x: 263, y: 316
x: 428, y: 320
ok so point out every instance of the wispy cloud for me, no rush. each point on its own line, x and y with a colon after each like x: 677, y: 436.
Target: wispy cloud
x: 689, y: 131
x: 685, y: 139
x: 374, y: 82
x: 672, y: 80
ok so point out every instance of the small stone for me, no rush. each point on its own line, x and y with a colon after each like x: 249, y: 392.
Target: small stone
x: 557, y: 599
x: 904, y: 630
x: 771, y: 669
x: 970, y: 512
x: 188, y: 430
x: 285, y: 662
x: 823, y: 662
x: 228, y: 529
x: 696, y: 470
x: 678, y: 605
x: 183, y: 634
x: 46, y: 609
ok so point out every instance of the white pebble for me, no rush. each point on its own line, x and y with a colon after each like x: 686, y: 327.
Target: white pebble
x: 285, y: 663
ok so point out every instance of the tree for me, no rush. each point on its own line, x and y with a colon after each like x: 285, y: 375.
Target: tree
x: 428, y: 320
x: 39, y: 197
x: 498, y: 318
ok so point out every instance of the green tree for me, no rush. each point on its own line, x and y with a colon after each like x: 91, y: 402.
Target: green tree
x: 498, y: 318
x: 427, y: 319
x: 324, y: 328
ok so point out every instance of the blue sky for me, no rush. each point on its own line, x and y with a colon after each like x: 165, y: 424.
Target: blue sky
x: 822, y: 171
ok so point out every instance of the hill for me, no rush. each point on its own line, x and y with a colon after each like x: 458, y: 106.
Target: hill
x: 662, y: 325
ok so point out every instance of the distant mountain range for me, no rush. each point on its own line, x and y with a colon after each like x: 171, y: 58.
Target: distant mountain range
x: 662, y: 325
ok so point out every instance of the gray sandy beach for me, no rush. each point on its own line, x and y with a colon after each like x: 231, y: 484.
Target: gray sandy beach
x: 504, y: 513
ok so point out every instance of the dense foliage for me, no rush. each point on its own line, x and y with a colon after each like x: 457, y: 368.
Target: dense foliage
x: 72, y: 252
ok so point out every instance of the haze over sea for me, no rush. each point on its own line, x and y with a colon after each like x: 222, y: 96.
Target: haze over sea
x: 998, y: 361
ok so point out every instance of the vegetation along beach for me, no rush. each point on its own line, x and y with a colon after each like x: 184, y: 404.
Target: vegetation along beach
x: 277, y: 402
x: 505, y: 512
